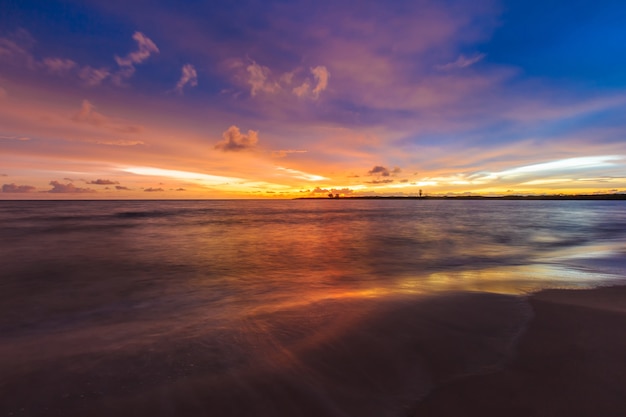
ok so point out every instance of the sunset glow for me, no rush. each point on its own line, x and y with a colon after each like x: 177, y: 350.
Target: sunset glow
x: 99, y: 100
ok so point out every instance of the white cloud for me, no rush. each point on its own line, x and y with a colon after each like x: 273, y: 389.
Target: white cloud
x: 185, y: 175
x: 301, y: 175
x: 461, y: 62
x: 189, y: 77
x: 584, y: 162
x: 235, y: 141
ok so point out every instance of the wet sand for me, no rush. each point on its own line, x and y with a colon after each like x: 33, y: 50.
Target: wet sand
x: 342, y: 359
x: 571, y: 362
x: 366, y: 358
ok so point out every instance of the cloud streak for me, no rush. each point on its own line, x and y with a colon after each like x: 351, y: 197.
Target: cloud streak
x: 92, y: 77
x: 145, y: 48
x: 461, y: 62
x: 88, y: 115
x: 59, y: 65
x: 103, y: 182
x: 188, y: 77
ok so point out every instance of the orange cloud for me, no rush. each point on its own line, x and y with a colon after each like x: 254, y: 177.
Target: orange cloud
x: 88, y: 115
x: 259, y: 79
x: 235, y: 141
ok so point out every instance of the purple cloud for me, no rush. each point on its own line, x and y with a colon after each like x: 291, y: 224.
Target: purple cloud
x: 57, y: 187
x: 12, y: 188
x: 189, y: 77
x: 103, y: 182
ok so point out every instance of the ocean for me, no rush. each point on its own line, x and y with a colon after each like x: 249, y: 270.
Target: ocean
x: 333, y: 307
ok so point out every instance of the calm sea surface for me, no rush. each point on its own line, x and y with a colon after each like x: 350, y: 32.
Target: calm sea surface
x: 304, y: 307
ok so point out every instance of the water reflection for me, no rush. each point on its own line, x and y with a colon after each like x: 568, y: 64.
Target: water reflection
x: 292, y: 307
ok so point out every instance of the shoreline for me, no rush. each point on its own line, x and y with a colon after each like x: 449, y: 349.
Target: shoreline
x: 570, y: 361
x: 559, y: 197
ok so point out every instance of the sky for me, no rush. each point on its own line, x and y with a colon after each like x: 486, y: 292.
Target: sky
x: 111, y: 99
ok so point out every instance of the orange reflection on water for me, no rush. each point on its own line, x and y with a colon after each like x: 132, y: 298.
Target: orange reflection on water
x: 514, y: 280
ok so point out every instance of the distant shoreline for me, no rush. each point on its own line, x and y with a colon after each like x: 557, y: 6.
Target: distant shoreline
x: 613, y: 197
x: 476, y: 197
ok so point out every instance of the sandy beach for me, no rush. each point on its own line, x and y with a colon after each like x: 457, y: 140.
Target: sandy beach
x: 571, y: 361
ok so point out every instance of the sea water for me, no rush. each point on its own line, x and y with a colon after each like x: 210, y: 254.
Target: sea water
x: 333, y: 307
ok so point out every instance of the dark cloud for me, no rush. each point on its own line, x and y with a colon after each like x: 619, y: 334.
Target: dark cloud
x: 386, y: 181
x: 180, y: 189
x: 103, y: 182
x: 12, y: 188
x: 342, y: 191
x: 119, y: 187
x: 379, y: 170
x: 235, y: 141
x: 152, y: 190
x: 383, y: 171
x: 57, y: 187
